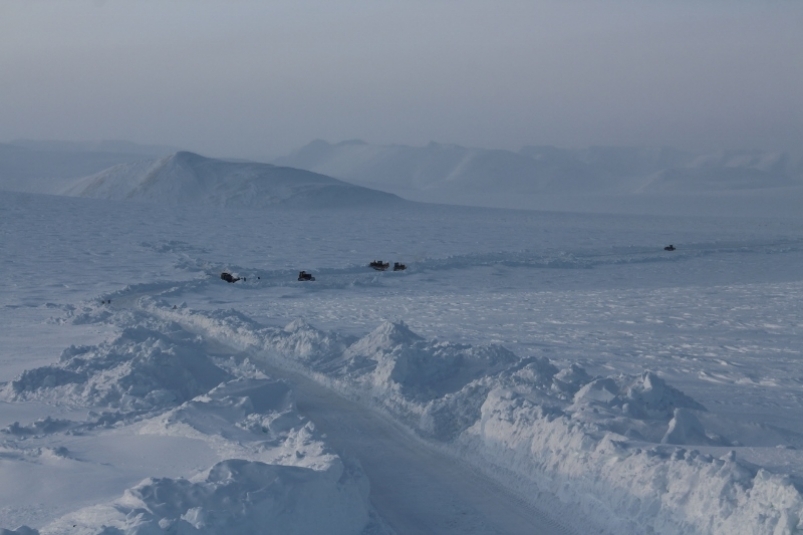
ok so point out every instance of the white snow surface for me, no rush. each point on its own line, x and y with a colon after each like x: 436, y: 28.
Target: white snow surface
x: 541, y: 372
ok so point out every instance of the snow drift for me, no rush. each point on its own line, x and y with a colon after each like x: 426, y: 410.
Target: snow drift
x: 236, y: 497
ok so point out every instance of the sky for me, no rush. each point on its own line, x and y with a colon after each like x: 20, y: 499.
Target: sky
x: 257, y: 79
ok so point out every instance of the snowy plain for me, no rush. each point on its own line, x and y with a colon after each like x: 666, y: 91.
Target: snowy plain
x: 530, y: 372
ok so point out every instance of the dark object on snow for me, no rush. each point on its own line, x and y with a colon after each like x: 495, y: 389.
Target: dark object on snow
x: 379, y: 265
x: 669, y: 248
x: 398, y: 267
x: 228, y: 278
x: 304, y: 276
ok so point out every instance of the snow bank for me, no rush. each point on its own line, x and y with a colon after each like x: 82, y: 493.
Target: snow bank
x: 141, y: 370
x: 233, y: 497
x: 278, y: 476
x: 608, y: 445
x: 634, y: 489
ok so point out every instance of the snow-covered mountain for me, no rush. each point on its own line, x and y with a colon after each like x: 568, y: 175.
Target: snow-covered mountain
x: 618, y: 178
x: 185, y: 177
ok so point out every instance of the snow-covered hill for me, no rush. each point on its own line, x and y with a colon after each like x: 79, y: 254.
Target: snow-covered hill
x: 188, y: 178
x: 613, y: 179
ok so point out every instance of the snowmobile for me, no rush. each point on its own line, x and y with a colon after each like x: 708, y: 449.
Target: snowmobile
x: 304, y: 276
x: 379, y: 265
x: 228, y: 277
x: 669, y: 248
x: 398, y: 267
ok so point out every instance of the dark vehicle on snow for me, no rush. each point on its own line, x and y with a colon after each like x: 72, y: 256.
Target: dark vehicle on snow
x: 304, y: 276
x: 669, y: 248
x: 379, y: 265
x: 228, y: 277
x: 398, y: 267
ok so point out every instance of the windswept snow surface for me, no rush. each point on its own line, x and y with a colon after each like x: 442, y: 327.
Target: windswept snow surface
x: 528, y: 373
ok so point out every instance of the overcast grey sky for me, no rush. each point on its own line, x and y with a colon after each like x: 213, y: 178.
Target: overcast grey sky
x: 258, y: 78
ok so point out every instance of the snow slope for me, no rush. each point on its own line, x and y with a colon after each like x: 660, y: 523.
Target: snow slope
x: 185, y: 177
x: 538, y: 372
x: 612, y: 179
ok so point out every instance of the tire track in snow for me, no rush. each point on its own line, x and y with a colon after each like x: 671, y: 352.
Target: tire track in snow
x: 338, y: 277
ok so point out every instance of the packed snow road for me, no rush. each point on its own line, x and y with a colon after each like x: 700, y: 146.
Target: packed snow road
x: 414, y: 487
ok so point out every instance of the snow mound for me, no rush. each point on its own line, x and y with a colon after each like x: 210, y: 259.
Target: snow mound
x: 394, y: 359
x: 645, y: 397
x: 139, y: 371
x: 185, y: 177
x: 298, y: 342
x: 234, y: 497
x: 253, y: 419
x: 685, y: 428
x: 250, y: 405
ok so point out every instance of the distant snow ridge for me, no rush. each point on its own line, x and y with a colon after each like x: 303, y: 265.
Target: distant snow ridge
x: 605, y: 444
x: 444, y: 169
x: 187, y: 178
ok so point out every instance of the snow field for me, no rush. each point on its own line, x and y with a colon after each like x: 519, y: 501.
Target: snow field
x: 564, y: 355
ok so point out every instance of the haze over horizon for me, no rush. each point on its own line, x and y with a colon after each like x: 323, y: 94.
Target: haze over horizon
x: 256, y: 80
